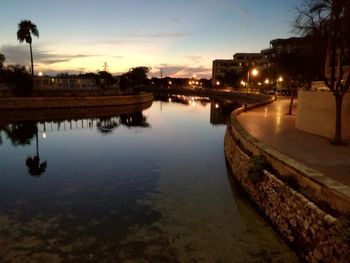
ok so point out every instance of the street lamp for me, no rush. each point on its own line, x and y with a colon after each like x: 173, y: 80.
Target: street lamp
x: 254, y: 72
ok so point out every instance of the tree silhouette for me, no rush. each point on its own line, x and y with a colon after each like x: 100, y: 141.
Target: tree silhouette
x: 24, y: 33
x: 327, y: 22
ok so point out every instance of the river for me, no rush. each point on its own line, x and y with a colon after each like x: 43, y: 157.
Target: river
x: 144, y: 186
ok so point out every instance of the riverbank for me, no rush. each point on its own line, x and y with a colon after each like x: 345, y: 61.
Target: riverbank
x: 31, y: 103
x: 306, y: 207
x: 242, y: 97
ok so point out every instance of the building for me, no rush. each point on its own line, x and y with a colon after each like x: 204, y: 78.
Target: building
x: 56, y: 83
x: 220, y: 68
x: 247, y: 60
x: 240, y: 62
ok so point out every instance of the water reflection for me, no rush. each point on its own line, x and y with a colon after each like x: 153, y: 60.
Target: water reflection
x: 20, y: 133
x: 35, y: 166
x: 23, y: 133
x: 220, y: 108
x: 118, y: 190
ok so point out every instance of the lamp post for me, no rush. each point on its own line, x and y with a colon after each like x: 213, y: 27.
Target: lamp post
x: 254, y: 72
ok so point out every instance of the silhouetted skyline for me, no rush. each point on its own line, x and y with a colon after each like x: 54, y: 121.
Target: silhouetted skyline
x: 182, y: 37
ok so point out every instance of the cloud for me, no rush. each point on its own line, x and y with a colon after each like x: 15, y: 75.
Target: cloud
x: 195, y: 59
x: 181, y: 71
x: 19, y: 54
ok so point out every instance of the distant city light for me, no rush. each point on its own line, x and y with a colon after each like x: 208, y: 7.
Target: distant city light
x: 169, y: 99
x: 170, y: 82
x: 280, y: 79
x: 217, y: 83
x: 267, y: 81
x: 40, y: 74
x: 216, y: 106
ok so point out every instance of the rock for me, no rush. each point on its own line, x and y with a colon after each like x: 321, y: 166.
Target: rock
x: 312, y: 230
x: 290, y: 238
x: 329, y: 220
x: 293, y: 222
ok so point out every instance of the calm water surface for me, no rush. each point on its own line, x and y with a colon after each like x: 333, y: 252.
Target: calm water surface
x: 148, y: 186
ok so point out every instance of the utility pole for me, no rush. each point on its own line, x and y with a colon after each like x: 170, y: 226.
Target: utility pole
x: 105, y: 66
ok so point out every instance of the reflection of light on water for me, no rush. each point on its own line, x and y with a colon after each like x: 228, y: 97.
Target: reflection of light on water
x: 265, y: 112
x: 44, y: 135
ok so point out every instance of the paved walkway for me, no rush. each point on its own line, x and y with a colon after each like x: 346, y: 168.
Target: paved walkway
x: 271, y: 125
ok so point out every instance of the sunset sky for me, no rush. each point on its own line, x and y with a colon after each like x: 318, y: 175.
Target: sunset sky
x: 182, y: 37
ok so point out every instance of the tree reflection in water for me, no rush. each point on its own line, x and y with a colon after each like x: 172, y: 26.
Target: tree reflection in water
x: 35, y: 167
x: 135, y: 119
x: 22, y: 133
x: 107, y: 125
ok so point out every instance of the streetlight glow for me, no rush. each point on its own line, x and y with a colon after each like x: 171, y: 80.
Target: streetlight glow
x: 255, y: 72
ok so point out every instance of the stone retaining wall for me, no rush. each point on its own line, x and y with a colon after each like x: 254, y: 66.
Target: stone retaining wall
x: 314, y: 233
x: 72, y: 102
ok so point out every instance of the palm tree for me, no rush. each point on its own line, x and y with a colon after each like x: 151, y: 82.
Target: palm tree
x: 24, y: 33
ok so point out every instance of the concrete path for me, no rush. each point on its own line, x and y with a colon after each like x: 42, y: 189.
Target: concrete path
x: 271, y: 125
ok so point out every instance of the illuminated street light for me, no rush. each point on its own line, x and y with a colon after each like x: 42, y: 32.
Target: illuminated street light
x: 217, y: 83
x: 280, y: 79
x: 255, y: 72
x: 170, y: 82
x: 267, y: 81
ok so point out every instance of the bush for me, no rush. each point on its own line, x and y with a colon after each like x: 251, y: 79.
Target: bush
x: 256, y: 170
x: 18, y: 78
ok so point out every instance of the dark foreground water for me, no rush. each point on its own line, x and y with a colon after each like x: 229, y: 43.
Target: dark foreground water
x: 147, y: 186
